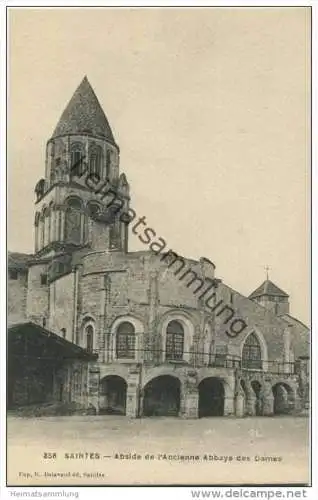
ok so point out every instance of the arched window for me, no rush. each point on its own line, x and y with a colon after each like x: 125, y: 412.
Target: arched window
x: 89, y: 338
x: 251, y: 354
x: 77, y: 159
x: 174, y: 341
x: 41, y: 232
x: 114, y: 235
x: 36, y: 227
x: 125, y: 341
x: 73, y: 221
x: 36, y: 219
x: 95, y: 161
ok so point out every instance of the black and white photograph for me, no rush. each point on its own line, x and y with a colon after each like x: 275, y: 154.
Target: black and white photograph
x: 158, y: 246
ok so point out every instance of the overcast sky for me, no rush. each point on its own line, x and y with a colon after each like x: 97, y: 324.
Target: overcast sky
x: 210, y: 109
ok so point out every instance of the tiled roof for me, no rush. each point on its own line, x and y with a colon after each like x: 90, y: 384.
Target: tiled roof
x: 268, y: 288
x: 18, y: 260
x: 84, y: 115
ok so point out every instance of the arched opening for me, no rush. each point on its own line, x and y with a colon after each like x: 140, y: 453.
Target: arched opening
x: 112, y: 399
x: 89, y: 338
x: 37, y: 231
x: 162, y: 397
x: 114, y: 235
x: 73, y: 221
x: 174, y: 341
x: 125, y: 341
x: 251, y: 353
x: 284, y: 400
x: 211, y: 397
x: 256, y: 386
x: 77, y: 159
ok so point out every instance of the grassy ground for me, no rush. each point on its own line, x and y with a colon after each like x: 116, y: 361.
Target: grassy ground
x: 221, y: 450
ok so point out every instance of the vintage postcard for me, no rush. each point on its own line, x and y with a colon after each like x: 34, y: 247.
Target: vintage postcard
x: 158, y: 306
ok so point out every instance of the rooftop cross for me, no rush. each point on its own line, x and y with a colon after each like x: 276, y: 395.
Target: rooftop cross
x: 267, y: 268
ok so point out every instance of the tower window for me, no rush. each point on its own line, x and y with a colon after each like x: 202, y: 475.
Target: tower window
x: 251, y: 354
x: 107, y: 164
x: 74, y: 220
x: 93, y: 209
x: 13, y: 274
x: 63, y: 332
x: 39, y: 189
x: 57, y: 162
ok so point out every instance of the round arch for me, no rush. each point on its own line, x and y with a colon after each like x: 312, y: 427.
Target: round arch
x: 77, y: 150
x: 208, y: 342
x: 245, y: 393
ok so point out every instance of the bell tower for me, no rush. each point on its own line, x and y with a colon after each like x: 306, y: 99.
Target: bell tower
x: 80, y: 199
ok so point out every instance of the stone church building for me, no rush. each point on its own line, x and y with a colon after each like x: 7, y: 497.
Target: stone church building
x: 118, y: 332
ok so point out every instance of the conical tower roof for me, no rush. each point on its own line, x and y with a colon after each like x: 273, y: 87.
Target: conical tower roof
x: 84, y: 115
x: 268, y: 288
